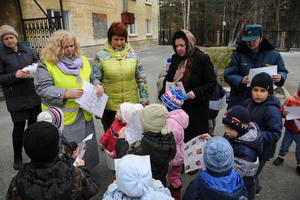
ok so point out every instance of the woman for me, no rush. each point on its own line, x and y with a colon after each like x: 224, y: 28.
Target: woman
x: 117, y: 66
x: 253, y: 52
x: 59, y: 79
x: 194, y: 69
x: 22, y: 102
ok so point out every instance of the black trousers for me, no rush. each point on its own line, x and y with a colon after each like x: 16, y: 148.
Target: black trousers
x: 107, y: 119
x: 17, y: 135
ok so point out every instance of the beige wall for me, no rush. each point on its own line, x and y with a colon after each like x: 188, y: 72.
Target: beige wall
x: 80, y: 16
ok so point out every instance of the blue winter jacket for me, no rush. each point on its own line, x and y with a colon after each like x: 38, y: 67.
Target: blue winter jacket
x: 208, y: 187
x: 242, y: 60
x: 268, y: 118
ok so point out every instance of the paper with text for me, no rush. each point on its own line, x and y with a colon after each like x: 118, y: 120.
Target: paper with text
x: 271, y: 70
x: 90, y: 102
x: 294, y: 112
x: 218, y: 104
x: 109, y: 160
x: 175, y: 86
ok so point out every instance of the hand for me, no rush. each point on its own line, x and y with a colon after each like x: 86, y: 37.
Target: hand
x: 22, y: 74
x: 101, y: 146
x: 122, y: 133
x: 80, y: 163
x: 76, y: 152
x: 276, y: 78
x: 111, y: 154
x: 285, y: 113
x: 191, y: 95
x: 73, y: 93
x: 100, y: 90
x: 245, y: 80
x: 205, y: 136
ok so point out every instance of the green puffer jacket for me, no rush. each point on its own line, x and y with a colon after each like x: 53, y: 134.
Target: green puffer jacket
x: 122, y: 76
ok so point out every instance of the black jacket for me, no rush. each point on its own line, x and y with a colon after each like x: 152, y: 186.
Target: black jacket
x: 202, y: 83
x: 19, y: 93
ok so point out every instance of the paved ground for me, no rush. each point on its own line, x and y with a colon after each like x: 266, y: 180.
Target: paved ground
x: 279, y: 183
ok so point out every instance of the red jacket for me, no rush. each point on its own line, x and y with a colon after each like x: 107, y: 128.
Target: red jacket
x: 291, y: 101
x: 108, y: 139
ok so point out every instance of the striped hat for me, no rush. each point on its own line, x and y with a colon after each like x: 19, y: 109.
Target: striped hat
x: 173, y: 99
x: 53, y: 115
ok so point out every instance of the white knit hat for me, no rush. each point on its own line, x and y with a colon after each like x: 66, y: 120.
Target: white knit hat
x: 7, y: 29
x: 127, y: 109
x: 53, y: 115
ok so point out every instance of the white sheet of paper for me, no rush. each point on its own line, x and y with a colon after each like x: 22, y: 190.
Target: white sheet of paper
x: 175, y: 86
x: 146, y: 158
x: 109, y: 161
x: 79, y: 157
x: 294, y: 112
x: 32, y: 69
x: 218, y: 105
x: 90, y: 102
x: 133, y: 129
x: 193, y: 154
x: 89, y: 137
x: 271, y: 70
x: 297, y: 122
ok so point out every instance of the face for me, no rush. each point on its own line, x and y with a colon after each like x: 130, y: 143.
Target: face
x: 118, y: 42
x: 118, y: 116
x: 69, y: 48
x: 254, y: 44
x: 180, y: 47
x: 259, y: 94
x: 231, y: 133
x: 10, y: 41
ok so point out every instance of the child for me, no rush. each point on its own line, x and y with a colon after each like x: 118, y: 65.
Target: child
x: 46, y: 176
x: 67, y: 150
x: 216, y: 97
x: 292, y: 131
x: 247, y: 143
x: 158, y: 141
x: 264, y: 109
x: 220, y: 180
x: 177, y: 121
x: 134, y: 181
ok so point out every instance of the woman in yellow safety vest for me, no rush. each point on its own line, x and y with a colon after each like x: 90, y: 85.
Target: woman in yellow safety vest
x: 117, y: 66
x: 58, y: 81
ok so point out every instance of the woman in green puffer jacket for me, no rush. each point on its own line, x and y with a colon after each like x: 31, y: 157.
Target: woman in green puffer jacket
x: 118, y: 68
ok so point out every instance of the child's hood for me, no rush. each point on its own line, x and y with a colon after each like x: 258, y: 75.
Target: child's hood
x: 181, y: 117
x: 273, y: 101
x: 253, y: 138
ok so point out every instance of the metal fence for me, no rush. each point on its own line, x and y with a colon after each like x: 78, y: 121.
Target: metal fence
x: 37, y: 31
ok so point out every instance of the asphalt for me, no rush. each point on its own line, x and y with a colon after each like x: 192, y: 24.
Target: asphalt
x: 278, y: 182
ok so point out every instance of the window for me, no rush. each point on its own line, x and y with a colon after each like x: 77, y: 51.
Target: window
x: 132, y: 29
x: 57, y: 21
x: 148, y: 2
x: 148, y: 27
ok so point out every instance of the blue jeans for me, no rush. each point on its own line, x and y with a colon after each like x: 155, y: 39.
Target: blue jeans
x: 288, y: 138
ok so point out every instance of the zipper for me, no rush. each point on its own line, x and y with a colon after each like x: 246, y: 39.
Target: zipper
x: 122, y: 88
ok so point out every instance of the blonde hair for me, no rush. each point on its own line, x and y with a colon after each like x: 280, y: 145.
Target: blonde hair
x: 54, y: 48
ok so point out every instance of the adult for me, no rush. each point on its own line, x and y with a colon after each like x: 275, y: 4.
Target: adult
x: 194, y: 69
x: 21, y: 99
x: 253, y: 52
x: 118, y: 67
x: 58, y: 81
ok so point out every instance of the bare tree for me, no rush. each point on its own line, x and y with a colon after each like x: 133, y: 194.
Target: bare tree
x: 186, y: 5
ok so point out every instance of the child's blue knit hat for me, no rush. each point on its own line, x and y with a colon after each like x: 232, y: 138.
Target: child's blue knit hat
x: 218, y: 156
x: 173, y: 99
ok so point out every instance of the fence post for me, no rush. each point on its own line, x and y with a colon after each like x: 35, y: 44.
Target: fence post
x: 218, y: 37
x: 282, y: 40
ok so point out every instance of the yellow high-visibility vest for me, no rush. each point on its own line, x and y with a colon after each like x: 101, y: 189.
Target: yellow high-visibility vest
x: 68, y: 81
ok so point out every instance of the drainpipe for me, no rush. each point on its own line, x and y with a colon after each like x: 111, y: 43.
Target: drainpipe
x: 62, y: 13
x: 125, y: 6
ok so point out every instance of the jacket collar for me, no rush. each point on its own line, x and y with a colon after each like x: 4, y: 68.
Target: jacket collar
x: 263, y: 46
x: 20, y: 49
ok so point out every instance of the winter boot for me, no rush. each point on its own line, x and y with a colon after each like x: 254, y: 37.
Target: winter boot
x: 278, y: 161
x: 298, y: 169
x: 18, y: 163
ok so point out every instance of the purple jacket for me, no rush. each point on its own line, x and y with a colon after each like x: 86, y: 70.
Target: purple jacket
x: 177, y: 121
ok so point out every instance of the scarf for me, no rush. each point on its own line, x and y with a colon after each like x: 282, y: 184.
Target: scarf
x: 190, y: 46
x: 70, y: 65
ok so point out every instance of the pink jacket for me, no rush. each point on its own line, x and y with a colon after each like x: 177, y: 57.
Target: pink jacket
x: 177, y: 121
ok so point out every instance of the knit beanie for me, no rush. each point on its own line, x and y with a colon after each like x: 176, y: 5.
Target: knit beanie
x: 237, y: 118
x: 7, y: 29
x: 133, y: 176
x: 218, y: 156
x: 41, y: 141
x: 153, y: 119
x: 53, y: 115
x: 263, y: 80
x: 127, y: 109
x: 173, y: 99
